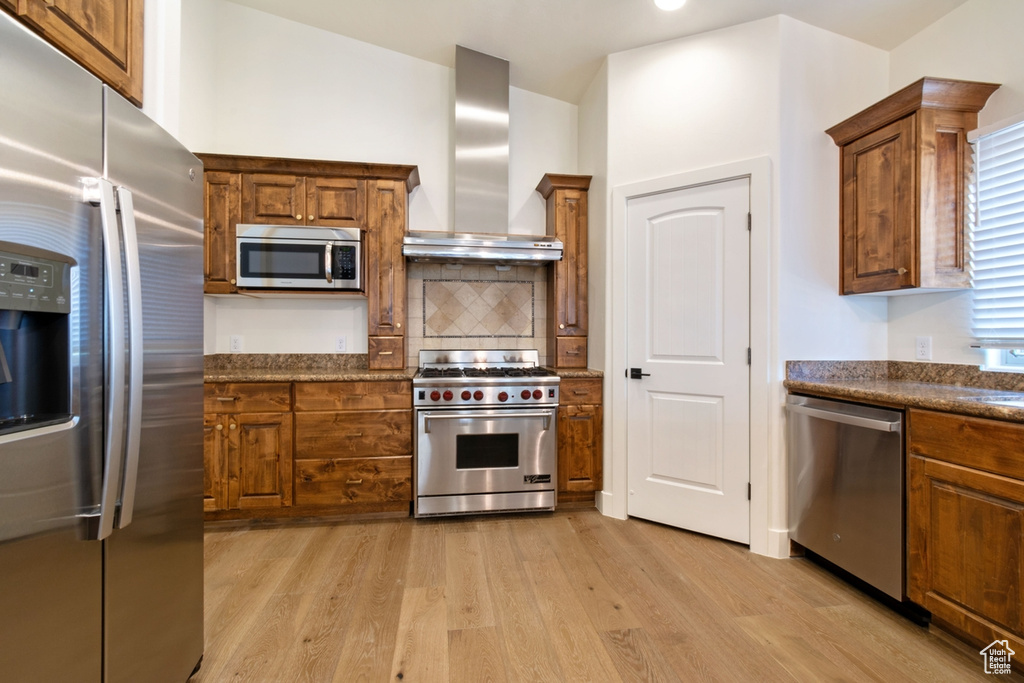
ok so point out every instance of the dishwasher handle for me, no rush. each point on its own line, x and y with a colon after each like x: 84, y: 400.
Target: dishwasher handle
x: 847, y: 419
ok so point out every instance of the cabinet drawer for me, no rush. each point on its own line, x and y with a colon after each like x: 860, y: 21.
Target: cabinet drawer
x: 386, y: 353
x: 353, y: 395
x: 244, y: 397
x: 354, y: 434
x: 571, y: 352
x: 988, y: 445
x: 579, y: 392
x: 326, y: 481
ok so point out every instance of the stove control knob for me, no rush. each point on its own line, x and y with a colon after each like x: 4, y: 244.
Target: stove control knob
x: 435, y: 395
x: 466, y: 395
x: 503, y: 397
x: 447, y: 395
x: 538, y: 394
x: 525, y: 394
x: 478, y: 395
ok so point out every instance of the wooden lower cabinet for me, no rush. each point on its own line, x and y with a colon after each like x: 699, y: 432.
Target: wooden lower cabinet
x: 247, y: 454
x: 580, y: 437
x: 965, y: 525
x: 353, y: 445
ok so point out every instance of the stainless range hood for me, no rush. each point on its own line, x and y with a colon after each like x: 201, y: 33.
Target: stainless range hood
x: 481, y: 176
x: 448, y: 247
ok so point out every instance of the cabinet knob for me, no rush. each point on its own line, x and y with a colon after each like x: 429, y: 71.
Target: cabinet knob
x: 561, y: 326
x: 232, y: 280
x: 233, y: 426
x: 310, y: 218
x: 398, y: 326
x: 902, y: 271
x: 298, y: 217
x: 219, y: 428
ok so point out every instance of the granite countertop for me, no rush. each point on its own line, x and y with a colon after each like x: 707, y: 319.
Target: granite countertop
x: 961, y: 389
x: 315, y: 367
x: 296, y: 367
x: 578, y: 373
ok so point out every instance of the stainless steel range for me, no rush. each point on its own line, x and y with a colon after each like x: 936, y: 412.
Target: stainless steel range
x: 485, y: 432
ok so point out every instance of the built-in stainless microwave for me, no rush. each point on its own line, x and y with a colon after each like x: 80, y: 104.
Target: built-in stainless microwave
x: 296, y: 257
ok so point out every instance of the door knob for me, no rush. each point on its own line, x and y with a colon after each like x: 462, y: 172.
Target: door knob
x: 638, y: 373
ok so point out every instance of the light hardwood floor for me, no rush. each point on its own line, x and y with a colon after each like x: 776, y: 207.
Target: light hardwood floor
x: 569, y: 596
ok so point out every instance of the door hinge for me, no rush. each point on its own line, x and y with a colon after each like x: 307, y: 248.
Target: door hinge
x: 750, y: 221
x: 748, y: 490
x: 748, y: 355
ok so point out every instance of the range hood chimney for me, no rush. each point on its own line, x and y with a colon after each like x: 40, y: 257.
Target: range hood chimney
x: 481, y: 142
x: 481, y: 176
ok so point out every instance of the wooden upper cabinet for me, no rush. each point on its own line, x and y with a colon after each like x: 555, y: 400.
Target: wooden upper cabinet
x: 566, y: 197
x: 385, y: 274
x: 294, y: 200
x: 222, y: 208
x: 905, y: 166
x: 104, y: 36
x: 273, y: 199
x: 335, y: 202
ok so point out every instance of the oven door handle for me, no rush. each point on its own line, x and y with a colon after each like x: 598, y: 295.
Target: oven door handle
x: 463, y: 416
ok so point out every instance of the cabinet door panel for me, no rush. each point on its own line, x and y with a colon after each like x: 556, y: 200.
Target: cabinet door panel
x: 215, y: 481
x: 879, y: 244
x: 336, y: 202
x: 966, y: 548
x: 570, y: 274
x: 223, y: 209
x: 580, y: 456
x: 273, y: 199
x: 260, y: 460
x: 105, y: 36
x: 385, y: 264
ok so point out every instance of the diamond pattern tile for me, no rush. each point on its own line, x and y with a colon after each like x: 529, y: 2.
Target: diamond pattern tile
x: 478, y: 308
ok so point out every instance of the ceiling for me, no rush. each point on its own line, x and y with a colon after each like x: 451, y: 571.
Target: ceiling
x: 555, y: 47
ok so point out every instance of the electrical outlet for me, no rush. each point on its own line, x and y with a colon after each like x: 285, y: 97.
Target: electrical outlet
x: 923, y: 348
x: 235, y: 345
x: 340, y: 345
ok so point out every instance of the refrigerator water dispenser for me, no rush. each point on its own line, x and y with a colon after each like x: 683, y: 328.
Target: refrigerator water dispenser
x: 35, y: 360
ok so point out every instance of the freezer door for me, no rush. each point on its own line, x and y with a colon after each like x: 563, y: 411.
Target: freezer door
x: 50, y: 576
x: 154, y: 561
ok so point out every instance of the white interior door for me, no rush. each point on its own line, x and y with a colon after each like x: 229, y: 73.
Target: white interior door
x: 688, y: 421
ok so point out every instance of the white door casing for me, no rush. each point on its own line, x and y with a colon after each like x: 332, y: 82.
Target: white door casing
x: 688, y: 327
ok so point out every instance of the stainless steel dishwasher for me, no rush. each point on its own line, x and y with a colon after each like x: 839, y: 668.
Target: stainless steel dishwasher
x: 846, y: 487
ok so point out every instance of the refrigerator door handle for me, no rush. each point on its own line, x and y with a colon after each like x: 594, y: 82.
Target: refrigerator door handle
x: 134, y: 285
x: 113, y: 447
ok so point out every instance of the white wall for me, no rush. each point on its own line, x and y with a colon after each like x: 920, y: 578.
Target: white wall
x: 766, y: 89
x: 593, y: 161
x: 978, y: 41
x: 273, y: 87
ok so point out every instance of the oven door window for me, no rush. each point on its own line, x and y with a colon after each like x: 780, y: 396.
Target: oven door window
x: 486, y: 451
x: 292, y: 261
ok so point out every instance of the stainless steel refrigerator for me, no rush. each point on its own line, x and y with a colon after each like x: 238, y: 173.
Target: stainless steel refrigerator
x: 101, y: 565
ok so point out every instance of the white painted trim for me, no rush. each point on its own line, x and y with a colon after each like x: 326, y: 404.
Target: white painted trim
x: 612, y: 501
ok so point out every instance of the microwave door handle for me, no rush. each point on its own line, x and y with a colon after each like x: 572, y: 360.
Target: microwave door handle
x: 328, y: 265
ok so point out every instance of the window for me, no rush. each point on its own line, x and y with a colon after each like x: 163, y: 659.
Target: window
x: 997, y: 248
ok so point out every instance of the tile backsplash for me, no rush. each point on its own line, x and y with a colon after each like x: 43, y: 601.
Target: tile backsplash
x: 476, y: 307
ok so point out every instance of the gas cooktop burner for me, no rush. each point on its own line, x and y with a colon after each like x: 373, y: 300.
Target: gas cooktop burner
x: 445, y: 373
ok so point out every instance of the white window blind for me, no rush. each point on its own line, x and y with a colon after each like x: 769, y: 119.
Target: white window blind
x: 997, y: 240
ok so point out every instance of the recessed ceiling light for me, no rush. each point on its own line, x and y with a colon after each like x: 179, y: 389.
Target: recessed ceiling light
x: 669, y: 5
